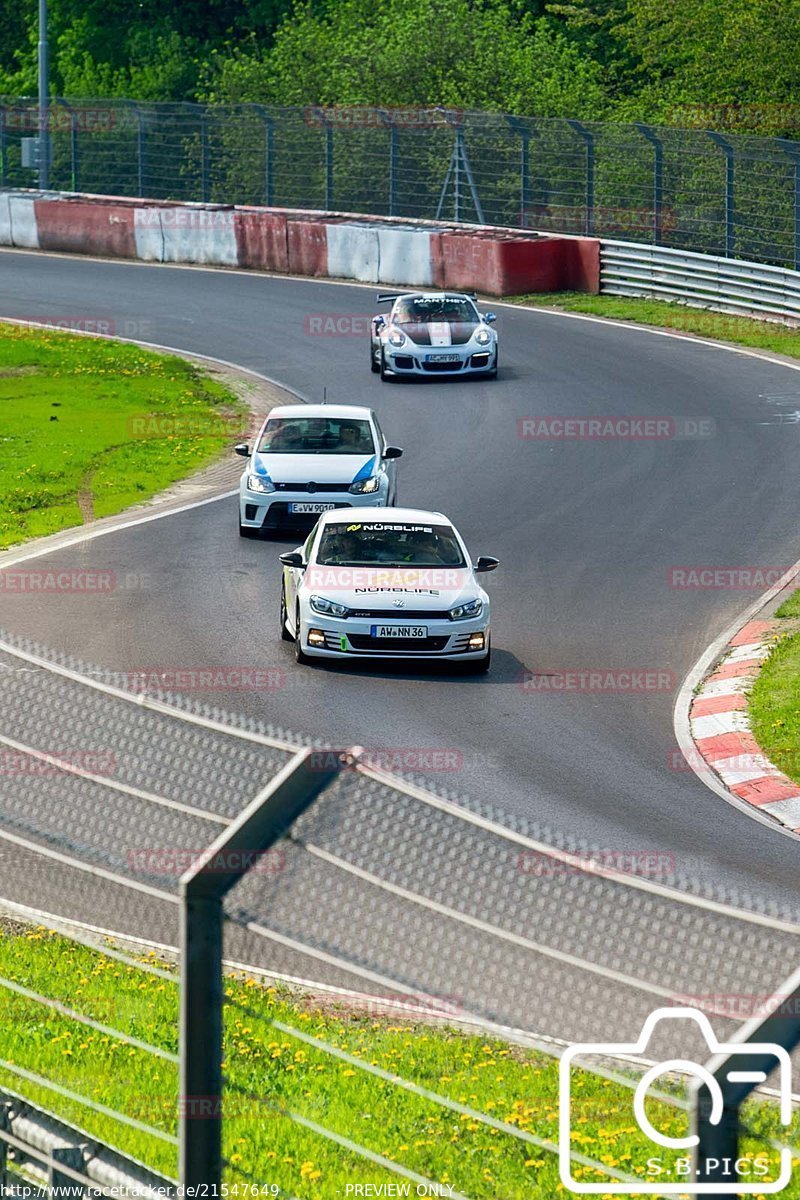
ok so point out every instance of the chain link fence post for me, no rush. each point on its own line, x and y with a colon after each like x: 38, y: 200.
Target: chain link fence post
x: 658, y: 179
x: 730, y: 210
x: 793, y: 151
x: 202, y: 891
x: 588, y: 138
x: 764, y: 1042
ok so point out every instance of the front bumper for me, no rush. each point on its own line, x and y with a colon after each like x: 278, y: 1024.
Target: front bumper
x: 259, y: 510
x: 352, y: 637
x: 470, y: 360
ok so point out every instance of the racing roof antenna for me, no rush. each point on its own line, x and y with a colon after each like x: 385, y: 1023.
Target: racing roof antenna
x: 324, y: 395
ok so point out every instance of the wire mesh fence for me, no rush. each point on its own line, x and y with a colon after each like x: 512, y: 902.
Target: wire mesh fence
x: 693, y: 189
x: 404, y: 966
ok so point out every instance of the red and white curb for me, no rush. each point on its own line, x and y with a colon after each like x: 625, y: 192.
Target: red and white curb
x: 720, y: 728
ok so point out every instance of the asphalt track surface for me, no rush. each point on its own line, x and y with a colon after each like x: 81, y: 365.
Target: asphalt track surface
x: 587, y: 533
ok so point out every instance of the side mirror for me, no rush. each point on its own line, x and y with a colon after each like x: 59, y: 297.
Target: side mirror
x: 392, y: 452
x: 490, y: 318
x: 486, y: 563
x: 243, y: 449
x: 293, y: 558
x: 380, y: 321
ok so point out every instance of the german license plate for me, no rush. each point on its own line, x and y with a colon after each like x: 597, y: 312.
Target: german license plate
x: 442, y: 358
x: 306, y: 506
x: 400, y: 631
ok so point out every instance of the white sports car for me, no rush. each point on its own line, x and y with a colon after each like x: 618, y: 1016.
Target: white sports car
x: 386, y: 583
x: 309, y: 459
x: 430, y: 333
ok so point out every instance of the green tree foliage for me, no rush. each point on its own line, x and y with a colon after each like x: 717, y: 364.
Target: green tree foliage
x: 459, y: 53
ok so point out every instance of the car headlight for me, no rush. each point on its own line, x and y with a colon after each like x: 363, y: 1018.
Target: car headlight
x: 396, y: 338
x: 483, y: 337
x: 257, y: 483
x: 473, y: 608
x: 365, y: 486
x: 329, y: 608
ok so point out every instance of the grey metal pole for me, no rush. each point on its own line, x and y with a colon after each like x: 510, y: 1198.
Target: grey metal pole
x: 730, y: 209
x: 205, y: 158
x: 737, y: 1072
x: 44, y: 98
x: 140, y: 160
x: 588, y: 139
x: 3, y: 164
x: 328, y: 167
x: 201, y: 1040
x: 658, y: 180
x: 793, y: 151
x: 392, y: 171
x: 269, y: 161
x: 202, y: 890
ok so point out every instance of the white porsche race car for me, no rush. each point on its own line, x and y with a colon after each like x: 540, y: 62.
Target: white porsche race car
x: 386, y: 583
x: 429, y: 333
x: 310, y: 459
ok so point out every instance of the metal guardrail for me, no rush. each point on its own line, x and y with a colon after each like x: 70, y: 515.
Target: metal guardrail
x: 38, y: 1149
x: 724, y: 284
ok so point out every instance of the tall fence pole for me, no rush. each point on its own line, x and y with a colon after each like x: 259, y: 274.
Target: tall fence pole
x: 3, y: 148
x: 523, y: 129
x: 202, y: 891
x: 793, y: 151
x: 392, y: 166
x: 140, y: 153
x: 269, y: 160
x: 588, y: 139
x: 736, y: 1073
x: 658, y: 179
x: 730, y: 210
x: 205, y: 159
x: 328, y: 165
x: 44, y: 98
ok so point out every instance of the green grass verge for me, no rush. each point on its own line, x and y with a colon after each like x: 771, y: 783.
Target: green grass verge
x: 90, y: 426
x: 745, y: 331
x: 271, y: 1072
x: 775, y: 698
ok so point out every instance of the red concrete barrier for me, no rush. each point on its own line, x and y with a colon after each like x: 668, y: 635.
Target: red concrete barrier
x: 86, y: 227
x: 261, y: 239
x: 508, y: 265
x: 307, y: 247
x: 491, y: 260
x: 581, y: 265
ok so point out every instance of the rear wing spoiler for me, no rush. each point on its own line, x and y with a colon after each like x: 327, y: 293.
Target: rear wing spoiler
x: 390, y: 297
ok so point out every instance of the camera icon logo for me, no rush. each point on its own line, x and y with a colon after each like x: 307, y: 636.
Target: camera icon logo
x: 733, y: 1186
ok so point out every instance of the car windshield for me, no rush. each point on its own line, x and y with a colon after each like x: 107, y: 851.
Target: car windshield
x: 372, y: 544
x: 421, y: 310
x: 316, y: 435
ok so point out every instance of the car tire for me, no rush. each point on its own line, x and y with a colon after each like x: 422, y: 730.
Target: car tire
x: 300, y: 655
x: 495, y: 369
x: 285, y: 635
x: 374, y: 365
x: 480, y: 666
x: 382, y: 368
x: 248, y: 531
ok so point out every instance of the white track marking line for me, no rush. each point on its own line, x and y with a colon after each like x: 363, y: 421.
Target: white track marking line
x: 105, y: 781
x: 584, y: 863
x: 506, y: 935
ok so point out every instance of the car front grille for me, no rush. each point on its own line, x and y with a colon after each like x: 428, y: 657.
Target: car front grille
x: 278, y: 514
x: 362, y: 641
x: 318, y: 487
x: 442, y: 366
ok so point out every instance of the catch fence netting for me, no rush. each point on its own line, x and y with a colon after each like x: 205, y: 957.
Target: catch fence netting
x: 390, y: 900
x: 692, y: 189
